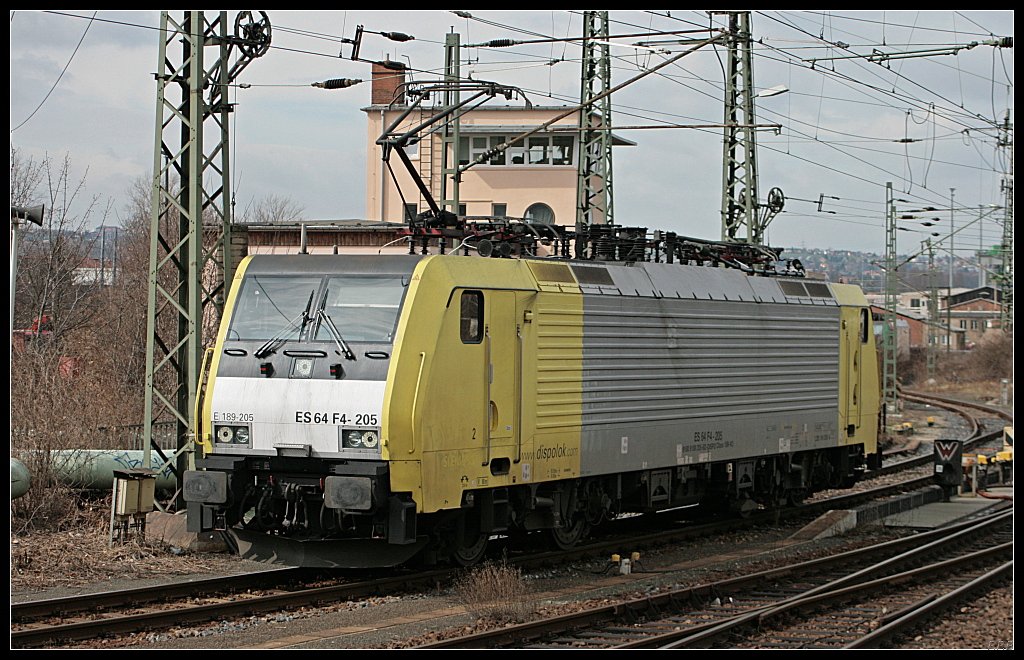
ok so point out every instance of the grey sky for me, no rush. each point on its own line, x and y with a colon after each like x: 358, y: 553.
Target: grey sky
x: 843, y: 120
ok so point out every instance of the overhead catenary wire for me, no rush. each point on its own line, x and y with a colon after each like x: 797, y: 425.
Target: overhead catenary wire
x: 868, y: 20
x: 642, y: 112
x: 887, y: 172
x: 667, y: 76
x: 433, y: 72
x: 861, y: 86
x: 532, y: 33
x: 875, y: 73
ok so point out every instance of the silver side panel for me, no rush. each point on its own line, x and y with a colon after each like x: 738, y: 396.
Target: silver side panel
x: 713, y: 369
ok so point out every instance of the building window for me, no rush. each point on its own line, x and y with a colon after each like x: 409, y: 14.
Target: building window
x: 411, y: 211
x: 471, y: 317
x: 915, y: 302
x: 540, y: 213
x: 473, y: 147
x: 499, y: 210
x: 536, y: 150
x: 462, y: 209
x: 561, y: 149
x: 516, y: 154
x: 963, y: 324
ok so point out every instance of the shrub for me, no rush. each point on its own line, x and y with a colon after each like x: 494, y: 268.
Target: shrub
x: 495, y: 591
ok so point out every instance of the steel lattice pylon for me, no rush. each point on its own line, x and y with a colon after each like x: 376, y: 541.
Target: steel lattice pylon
x: 739, y: 155
x: 889, y: 327
x: 933, y: 309
x: 594, y: 184
x: 451, y: 134
x: 1006, y: 245
x: 190, y: 232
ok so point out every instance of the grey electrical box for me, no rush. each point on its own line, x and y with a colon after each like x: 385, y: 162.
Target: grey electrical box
x: 134, y: 490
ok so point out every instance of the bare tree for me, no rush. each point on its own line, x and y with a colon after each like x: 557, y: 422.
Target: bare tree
x: 51, y: 255
x: 124, y: 315
x: 272, y: 208
x: 26, y: 176
x: 59, y: 396
x: 82, y: 386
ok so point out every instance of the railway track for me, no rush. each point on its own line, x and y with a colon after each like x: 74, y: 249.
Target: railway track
x: 980, y: 435
x: 57, y: 621
x: 48, y: 622
x: 722, y: 613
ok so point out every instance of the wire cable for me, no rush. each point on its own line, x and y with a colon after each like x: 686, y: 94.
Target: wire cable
x: 909, y: 80
x: 63, y: 71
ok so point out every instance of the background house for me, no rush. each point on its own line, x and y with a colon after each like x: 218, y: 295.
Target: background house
x: 975, y: 312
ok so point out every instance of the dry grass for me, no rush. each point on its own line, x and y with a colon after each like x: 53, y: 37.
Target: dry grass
x: 80, y: 554
x: 495, y: 591
x: 975, y: 374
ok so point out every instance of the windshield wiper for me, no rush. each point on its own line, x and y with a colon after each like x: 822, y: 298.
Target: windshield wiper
x: 335, y: 335
x: 271, y: 344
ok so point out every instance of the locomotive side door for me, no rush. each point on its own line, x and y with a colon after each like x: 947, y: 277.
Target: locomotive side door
x: 857, y: 325
x: 502, y: 353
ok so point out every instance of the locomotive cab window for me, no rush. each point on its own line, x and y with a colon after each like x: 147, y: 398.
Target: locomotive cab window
x: 362, y: 308
x: 865, y: 326
x: 271, y: 305
x: 471, y: 317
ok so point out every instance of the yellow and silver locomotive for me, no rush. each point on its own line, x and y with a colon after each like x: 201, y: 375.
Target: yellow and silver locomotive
x: 362, y: 410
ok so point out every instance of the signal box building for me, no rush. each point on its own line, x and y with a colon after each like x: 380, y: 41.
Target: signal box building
x: 534, y: 179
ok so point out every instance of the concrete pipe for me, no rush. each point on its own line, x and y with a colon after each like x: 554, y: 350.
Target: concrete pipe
x: 94, y: 468
x: 21, y: 479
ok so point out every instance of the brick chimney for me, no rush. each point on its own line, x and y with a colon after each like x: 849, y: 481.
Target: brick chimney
x: 387, y: 76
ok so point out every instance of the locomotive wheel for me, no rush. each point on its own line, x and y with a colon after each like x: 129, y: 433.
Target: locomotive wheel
x: 795, y: 496
x: 743, y: 505
x: 471, y: 551
x: 565, y: 538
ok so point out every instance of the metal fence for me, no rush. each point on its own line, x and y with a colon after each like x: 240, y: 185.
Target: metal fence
x: 131, y: 436
x: 126, y: 437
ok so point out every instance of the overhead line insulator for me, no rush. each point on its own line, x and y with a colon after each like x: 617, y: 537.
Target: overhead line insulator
x: 337, y: 83
x: 397, y: 36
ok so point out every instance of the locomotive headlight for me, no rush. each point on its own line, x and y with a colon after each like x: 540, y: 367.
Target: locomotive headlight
x: 360, y: 438
x: 352, y: 439
x: 232, y: 435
